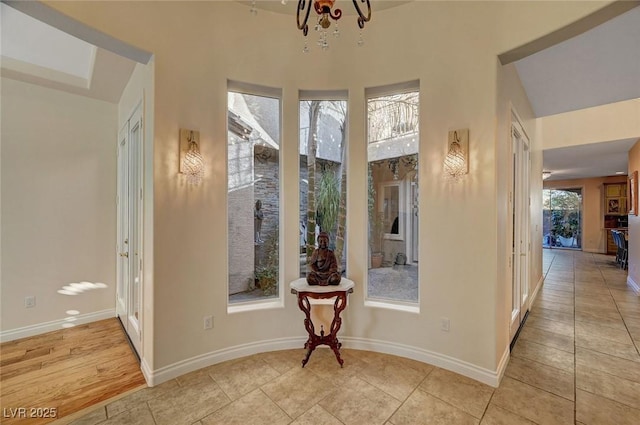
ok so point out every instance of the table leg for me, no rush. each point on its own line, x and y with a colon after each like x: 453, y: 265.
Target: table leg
x: 338, y: 306
x: 332, y: 338
x: 305, y: 306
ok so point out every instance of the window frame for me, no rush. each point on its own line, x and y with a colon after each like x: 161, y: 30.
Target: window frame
x: 373, y: 93
x: 276, y: 302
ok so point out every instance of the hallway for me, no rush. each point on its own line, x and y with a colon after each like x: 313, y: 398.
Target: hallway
x: 580, y: 343
x: 576, y: 362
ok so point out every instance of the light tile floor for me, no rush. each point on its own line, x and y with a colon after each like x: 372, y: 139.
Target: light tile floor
x: 576, y: 362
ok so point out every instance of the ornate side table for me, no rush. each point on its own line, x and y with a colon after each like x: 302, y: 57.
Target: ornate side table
x: 306, y: 291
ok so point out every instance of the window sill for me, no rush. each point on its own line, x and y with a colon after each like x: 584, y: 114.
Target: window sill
x: 393, y: 305
x: 255, y: 305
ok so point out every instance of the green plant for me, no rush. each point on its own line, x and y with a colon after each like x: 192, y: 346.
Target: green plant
x: 266, y: 276
x: 328, y: 201
x: 564, y: 223
x: 267, y: 280
x: 377, y: 232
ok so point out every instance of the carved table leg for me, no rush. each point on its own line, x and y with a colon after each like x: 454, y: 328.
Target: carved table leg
x: 338, y: 306
x: 305, y: 306
x: 332, y: 338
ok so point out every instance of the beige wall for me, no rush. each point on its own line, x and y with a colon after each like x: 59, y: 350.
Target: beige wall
x: 594, y: 237
x: 58, y: 202
x: 615, y: 121
x: 634, y: 222
x: 456, y: 65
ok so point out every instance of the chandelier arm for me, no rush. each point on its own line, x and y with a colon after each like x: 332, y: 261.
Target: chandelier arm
x: 335, y: 14
x: 361, y: 16
x: 302, y: 4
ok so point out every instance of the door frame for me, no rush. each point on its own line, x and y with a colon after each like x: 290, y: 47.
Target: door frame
x: 130, y: 219
x: 520, y: 211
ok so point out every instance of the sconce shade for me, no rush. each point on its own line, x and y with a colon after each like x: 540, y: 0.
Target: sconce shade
x: 192, y: 162
x: 455, y: 163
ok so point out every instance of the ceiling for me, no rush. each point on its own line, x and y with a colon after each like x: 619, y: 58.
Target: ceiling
x: 37, y: 53
x: 596, y: 67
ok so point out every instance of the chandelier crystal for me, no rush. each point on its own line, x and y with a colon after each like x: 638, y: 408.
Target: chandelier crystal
x: 325, y: 11
x: 193, y: 163
x: 455, y: 163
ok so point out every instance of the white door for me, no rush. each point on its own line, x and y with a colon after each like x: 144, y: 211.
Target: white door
x: 129, y: 238
x: 520, y: 234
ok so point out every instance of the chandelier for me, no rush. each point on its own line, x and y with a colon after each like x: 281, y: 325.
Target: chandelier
x: 325, y: 11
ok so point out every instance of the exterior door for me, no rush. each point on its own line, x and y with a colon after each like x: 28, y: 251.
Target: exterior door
x: 129, y: 238
x: 520, y: 235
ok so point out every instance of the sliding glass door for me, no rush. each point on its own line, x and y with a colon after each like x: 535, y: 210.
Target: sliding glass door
x: 562, y: 218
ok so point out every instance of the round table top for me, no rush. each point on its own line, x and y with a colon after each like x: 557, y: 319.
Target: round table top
x: 301, y: 285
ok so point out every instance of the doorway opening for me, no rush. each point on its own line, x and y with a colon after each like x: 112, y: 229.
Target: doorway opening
x: 562, y: 218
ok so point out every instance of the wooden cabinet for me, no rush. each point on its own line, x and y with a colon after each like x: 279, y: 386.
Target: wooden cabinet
x: 615, y: 198
x: 615, y: 211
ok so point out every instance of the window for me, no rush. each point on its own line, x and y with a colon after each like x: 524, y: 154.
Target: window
x: 393, y: 141
x: 253, y: 196
x: 323, y: 177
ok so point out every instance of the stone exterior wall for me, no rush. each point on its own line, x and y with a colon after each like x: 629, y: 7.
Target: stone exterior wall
x: 267, y: 190
x: 240, y: 212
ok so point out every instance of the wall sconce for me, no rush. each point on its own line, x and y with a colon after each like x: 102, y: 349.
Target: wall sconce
x: 191, y: 160
x: 456, y: 163
x: 546, y: 175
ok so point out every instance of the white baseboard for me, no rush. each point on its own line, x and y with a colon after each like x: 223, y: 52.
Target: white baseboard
x: 146, y: 371
x: 486, y: 376
x: 172, y: 371
x: 502, y: 366
x: 55, y: 325
x: 534, y: 295
x: 632, y: 283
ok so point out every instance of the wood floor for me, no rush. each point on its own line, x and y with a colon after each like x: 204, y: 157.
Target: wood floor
x: 62, y: 372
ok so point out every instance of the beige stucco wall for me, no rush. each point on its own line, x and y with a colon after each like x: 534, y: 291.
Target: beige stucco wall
x: 58, y: 203
x: 450, y: 46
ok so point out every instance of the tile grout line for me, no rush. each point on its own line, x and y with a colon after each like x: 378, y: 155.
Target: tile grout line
x: 615, y: 302
x: 575, y: 362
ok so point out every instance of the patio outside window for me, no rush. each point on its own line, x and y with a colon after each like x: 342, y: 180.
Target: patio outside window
x: 323, y: 177
x: 393, y: 141
x: 253, y: 172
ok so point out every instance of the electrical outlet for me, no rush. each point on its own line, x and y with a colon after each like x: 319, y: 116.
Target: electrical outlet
x: 30, y: 301
x: 208, y: 322
x: 444, y: 324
